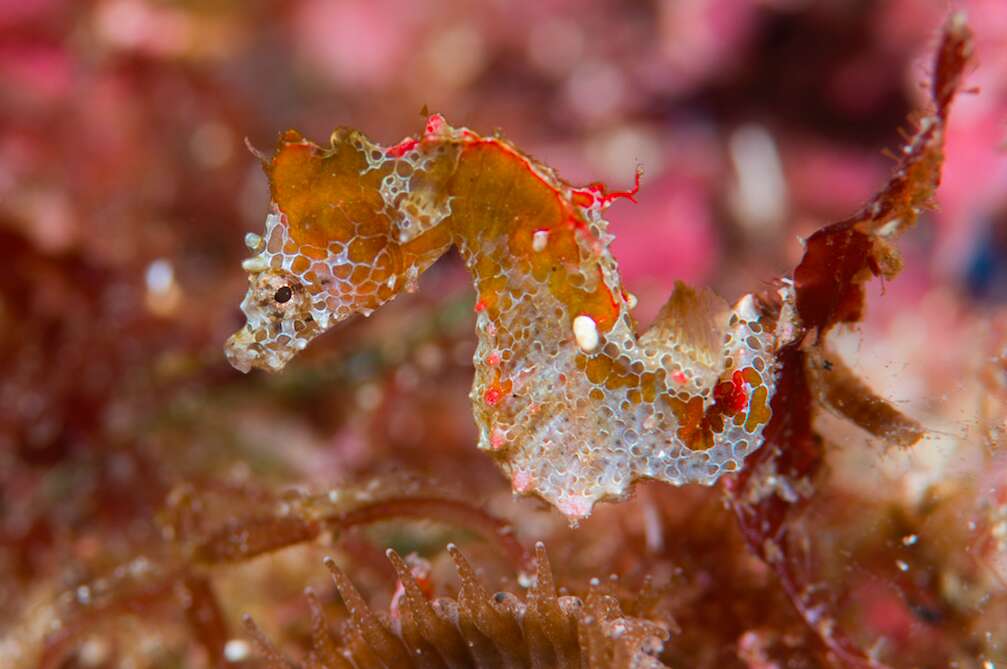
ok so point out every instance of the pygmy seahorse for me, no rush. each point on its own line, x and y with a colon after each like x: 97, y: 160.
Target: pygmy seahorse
x: 568, y: 398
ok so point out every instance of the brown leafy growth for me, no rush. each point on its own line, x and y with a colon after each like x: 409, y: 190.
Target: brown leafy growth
x: 829, y: 284
x: 839, y: 389
x: 478, y: 630
x: 232, y: 524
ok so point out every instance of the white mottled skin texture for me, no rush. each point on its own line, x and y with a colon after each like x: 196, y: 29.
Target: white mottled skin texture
x: 556, y: 432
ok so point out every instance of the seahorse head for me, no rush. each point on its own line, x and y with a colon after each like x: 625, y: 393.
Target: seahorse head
x: 280, y: 322
x: 352, y: 226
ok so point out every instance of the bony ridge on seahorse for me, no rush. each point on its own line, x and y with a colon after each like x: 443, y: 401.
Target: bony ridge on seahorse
x: 573, y: 404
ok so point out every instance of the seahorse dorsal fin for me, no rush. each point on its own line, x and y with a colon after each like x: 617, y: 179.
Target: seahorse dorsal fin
x: 692, y: 322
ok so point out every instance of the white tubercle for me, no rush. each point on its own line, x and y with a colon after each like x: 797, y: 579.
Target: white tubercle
x: 585, y: 331
x: 539, y: 240
x: 256, y: 264
x: 253, y: 242
x: 746, y: 308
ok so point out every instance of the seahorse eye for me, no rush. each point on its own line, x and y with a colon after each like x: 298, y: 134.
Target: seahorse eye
x: 283, y: 294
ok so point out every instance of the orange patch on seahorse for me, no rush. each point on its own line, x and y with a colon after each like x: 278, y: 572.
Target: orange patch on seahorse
x: 562, y: 377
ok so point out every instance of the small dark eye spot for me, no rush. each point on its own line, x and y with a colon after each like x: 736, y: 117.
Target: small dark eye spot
x: 283, y: 294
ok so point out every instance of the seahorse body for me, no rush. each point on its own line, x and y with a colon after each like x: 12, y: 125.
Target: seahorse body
x: 572, y: 403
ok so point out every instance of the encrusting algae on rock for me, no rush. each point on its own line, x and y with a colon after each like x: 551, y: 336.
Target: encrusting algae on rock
x: 568, y: 398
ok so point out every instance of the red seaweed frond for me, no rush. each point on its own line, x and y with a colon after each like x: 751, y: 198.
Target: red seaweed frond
x: 829, y: 286
x: 841, y: 257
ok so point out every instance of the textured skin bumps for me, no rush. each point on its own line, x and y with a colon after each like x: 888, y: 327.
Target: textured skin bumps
x: 573, y: 404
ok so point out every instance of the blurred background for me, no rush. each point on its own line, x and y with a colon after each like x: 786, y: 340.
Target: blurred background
x: 126, y: 189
